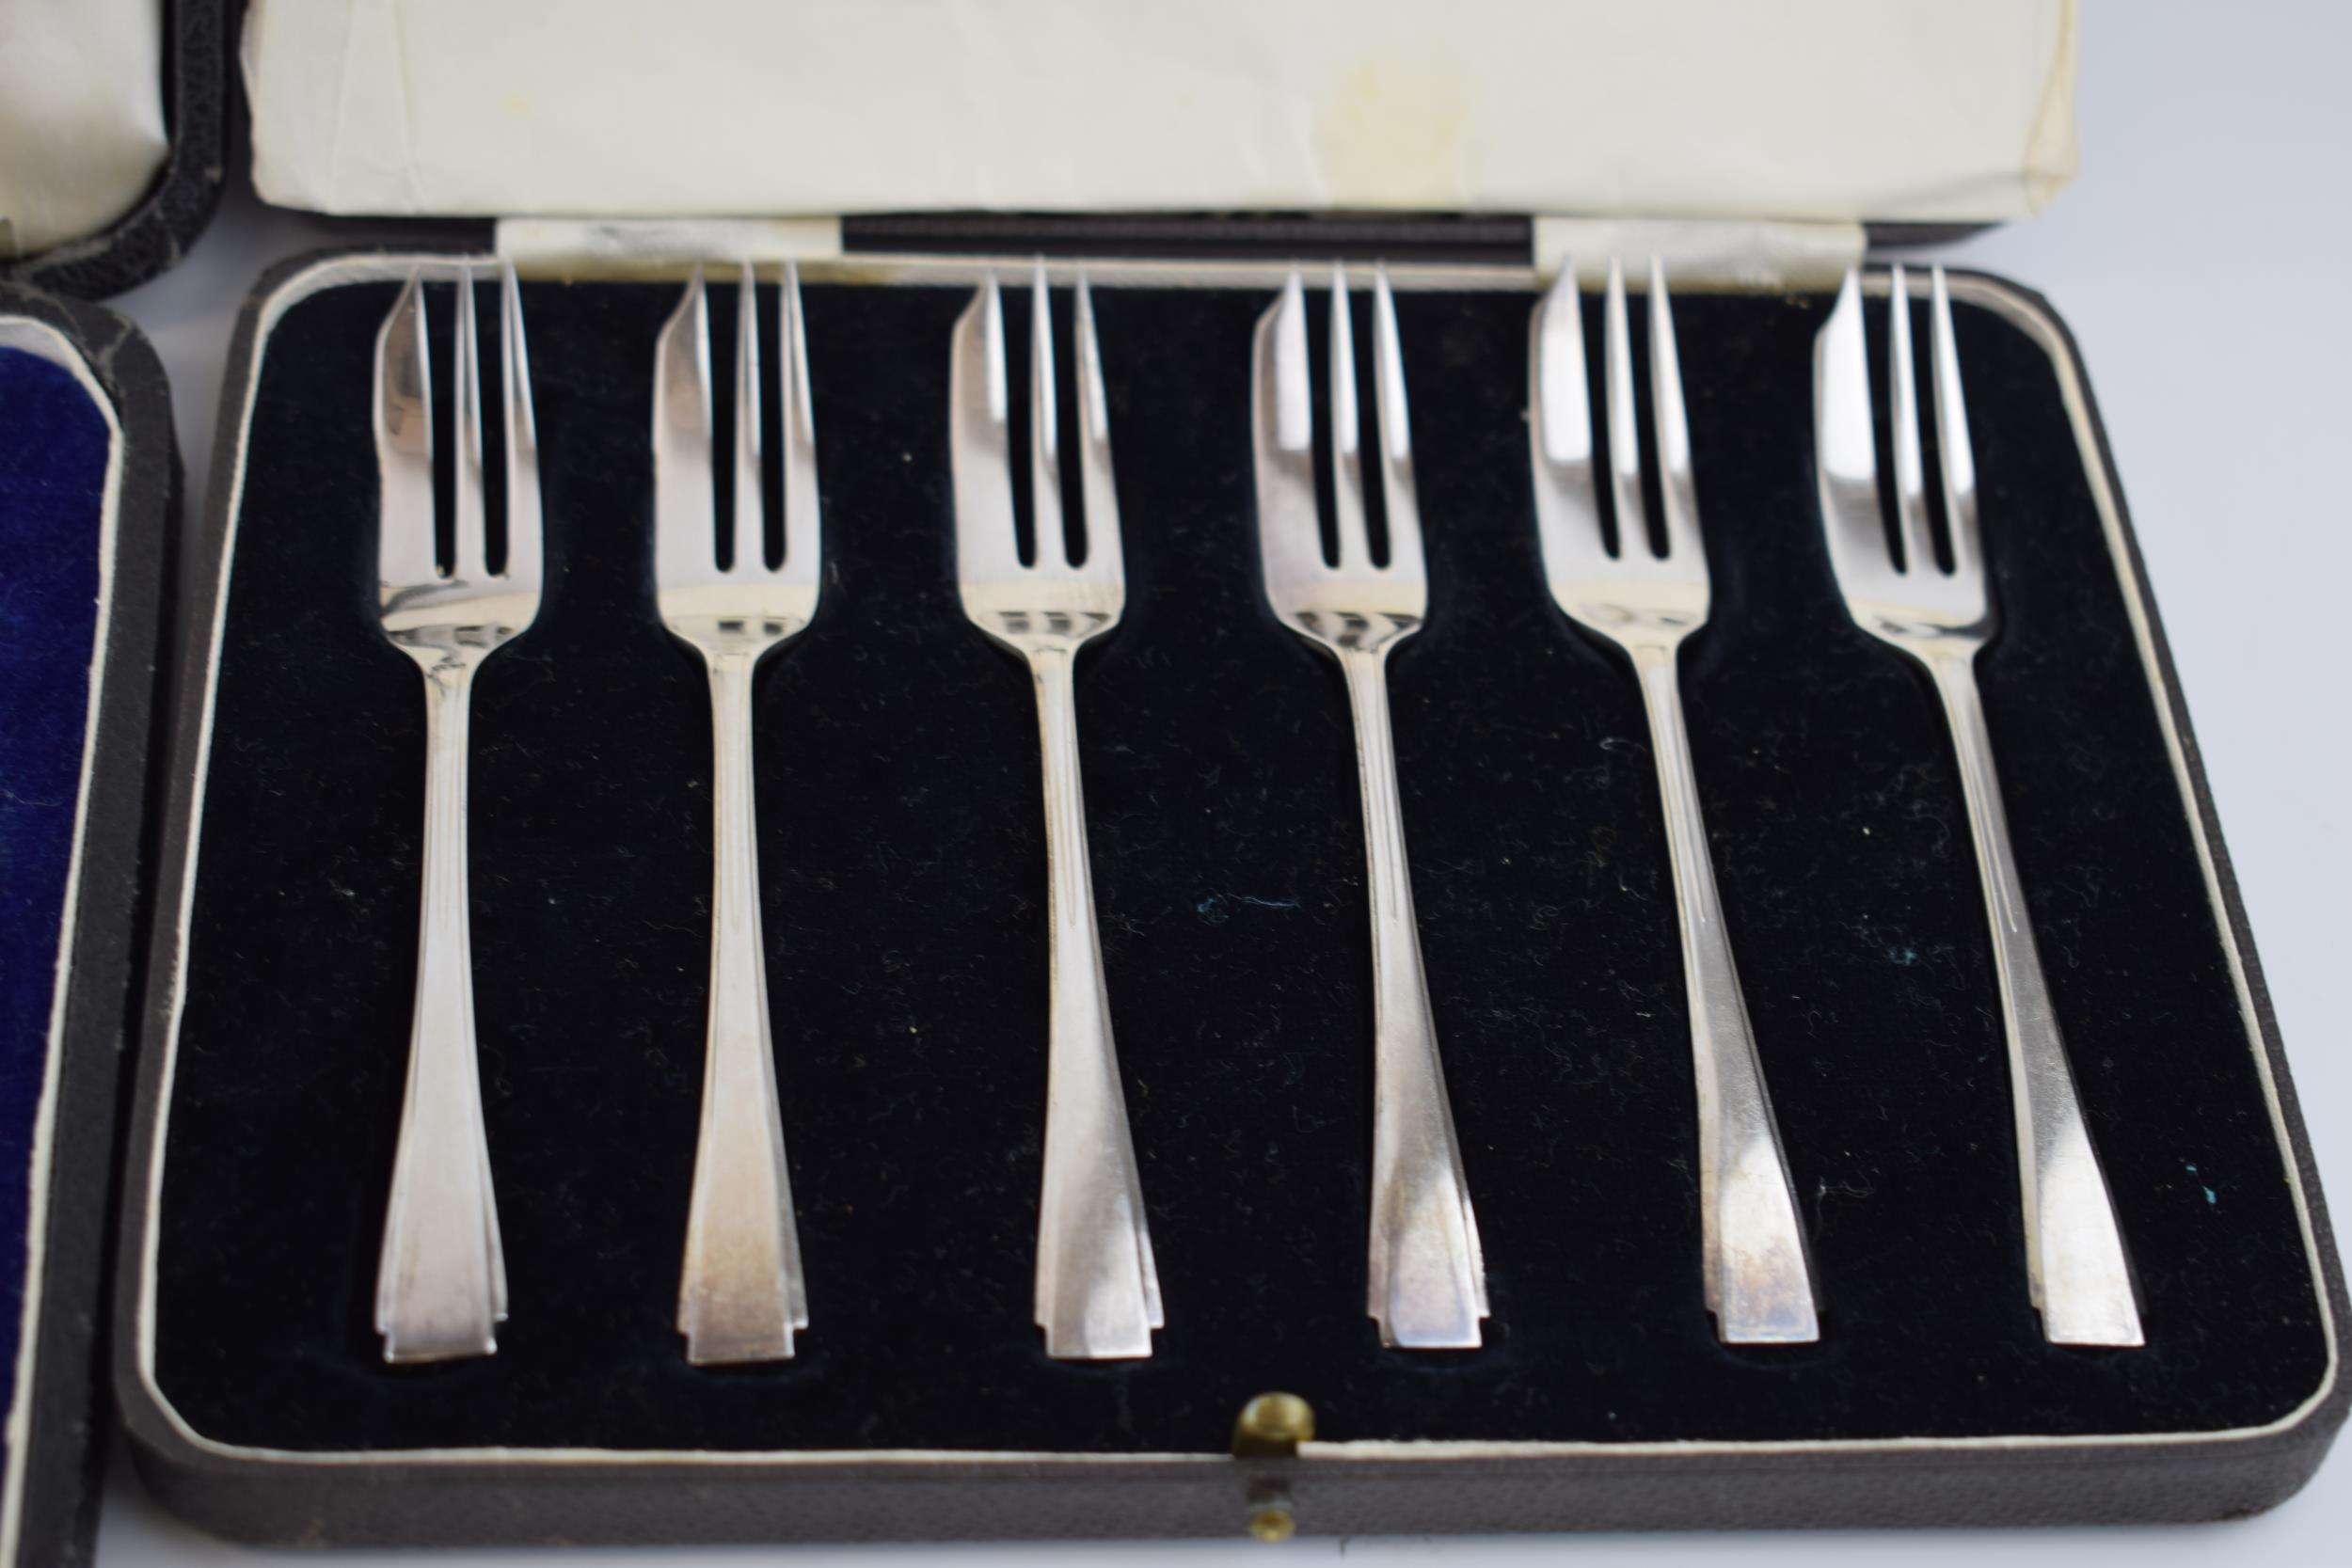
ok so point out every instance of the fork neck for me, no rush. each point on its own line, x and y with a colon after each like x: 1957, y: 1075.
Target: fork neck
x: 1640, y: 630
x: 731, y: 660
x: 1039, y: 637
x: 732, y: 632
x: 1936, y: 647
x: 447, y: 665
x: 1343, y: 633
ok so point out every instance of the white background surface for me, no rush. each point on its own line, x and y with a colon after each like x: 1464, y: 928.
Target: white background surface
x: 2200, y: 263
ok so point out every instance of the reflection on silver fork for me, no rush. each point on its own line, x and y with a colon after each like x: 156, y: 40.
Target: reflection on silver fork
x: 1097, y: 1288
x: 2075, y: 1261
x: 1646, y: 602
x: 742, y: 1294
x: 1427, y: 1276
x: 442, y: 1283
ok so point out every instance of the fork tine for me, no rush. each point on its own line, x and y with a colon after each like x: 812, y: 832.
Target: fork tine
x: 1347, y: 468
x: 1678, y: 490
x: 1958, y: 458
x: 1104, y: 557
x: 980, y: 440
x: 1911, y: 487
x: 1844, y: 432
x: 1625, y: 441
x: 803, y: 550
x: 1282, y: 410
x: 520, y: 429
x: 1294, y: 405
x: 1563, y: 404
x: 1051, y: 545
x: 470, y: 556
x: 403, y: 443
x: 1560, y: 428
x: 748, y: 527
x: 685, y: 526
x: 1398, y: 494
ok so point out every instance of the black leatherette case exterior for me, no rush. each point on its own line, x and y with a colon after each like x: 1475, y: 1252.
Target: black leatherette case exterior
x: 1421, y: 1451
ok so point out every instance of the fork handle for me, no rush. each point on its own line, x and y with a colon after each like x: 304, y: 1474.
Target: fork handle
x: 1758, y: 1284
x: 741, y: 1294
x: 1427, y: 1274
x: 2075, y: 1263
x: 1098, y: 1290
x: 440, y: 1290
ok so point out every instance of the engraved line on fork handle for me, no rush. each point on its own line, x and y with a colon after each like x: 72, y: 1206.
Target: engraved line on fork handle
x: 1098, y: 1291
x: 441, y: 1279
x: 2075, y: 1261
x: 1758, y: 1284
x: 1425, y: 1273
x: 742, y: 1293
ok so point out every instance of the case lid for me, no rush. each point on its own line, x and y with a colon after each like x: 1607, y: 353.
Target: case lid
x: 81, y: 118
x: 112, y: 129
x: 1838, y: 110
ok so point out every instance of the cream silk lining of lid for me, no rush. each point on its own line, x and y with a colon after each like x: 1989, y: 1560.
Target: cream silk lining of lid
x: 1826, y: 110
x: 81, y: 117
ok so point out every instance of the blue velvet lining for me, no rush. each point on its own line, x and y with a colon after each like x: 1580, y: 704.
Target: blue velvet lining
x: 53, y: 476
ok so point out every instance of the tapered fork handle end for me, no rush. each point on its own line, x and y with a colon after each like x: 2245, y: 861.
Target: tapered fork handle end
x: 1758, y: 1284
x: 741, y: 1298
x: 2081, y: 1282
x: 742, y: 1293
x: 1760, y: 1287
x: 2074, y: 1259
x: 1427, y: 1274
x: 441, y: 1280
x: 1098, y: 1290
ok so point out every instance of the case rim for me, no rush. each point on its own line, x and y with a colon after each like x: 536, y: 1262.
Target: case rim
x: 608, y: 1495
x: 49, y: 1493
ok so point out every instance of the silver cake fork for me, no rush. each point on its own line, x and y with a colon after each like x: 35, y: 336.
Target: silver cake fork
x: 1098, y: 1291
x: 1942, y: 616
x: 1427, y: 1277
x: 442, y: 1283
x: 742, y: 1294
x: 1646, y: 602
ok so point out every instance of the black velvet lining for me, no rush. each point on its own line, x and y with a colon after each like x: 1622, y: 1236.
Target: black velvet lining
x: 903, y: 866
